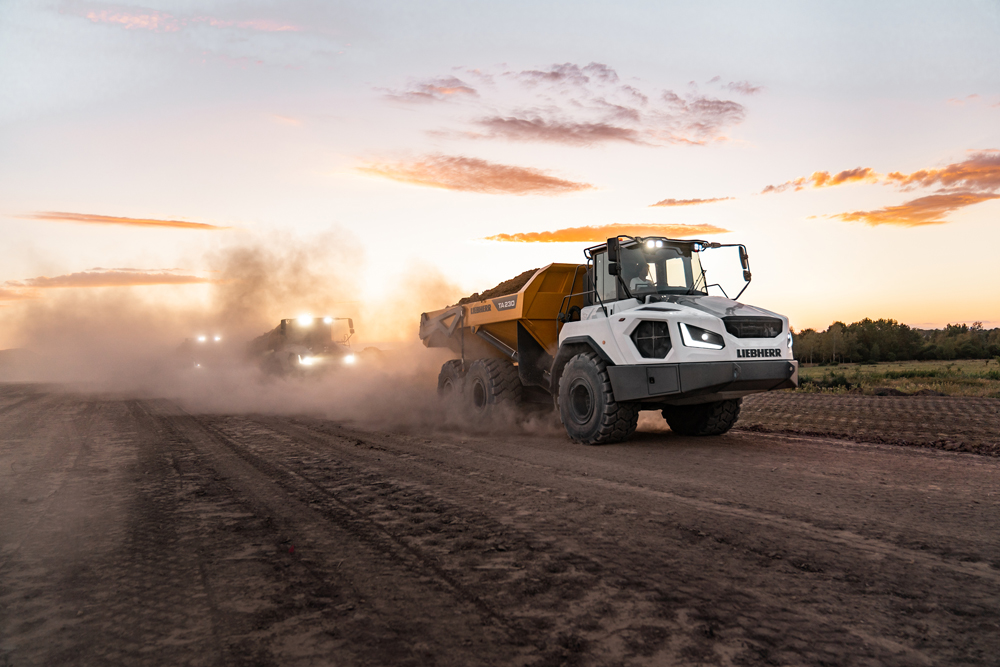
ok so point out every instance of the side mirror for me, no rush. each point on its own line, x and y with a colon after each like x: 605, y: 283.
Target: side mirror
x: 744, y: 260
x: 613, y: 249
x: 613, y: 253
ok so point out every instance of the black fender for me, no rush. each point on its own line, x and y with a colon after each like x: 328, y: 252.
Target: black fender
x: 568, y: 349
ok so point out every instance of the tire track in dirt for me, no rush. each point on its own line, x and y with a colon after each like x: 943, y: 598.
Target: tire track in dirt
x: 705, y: 588
x: 332, y: 546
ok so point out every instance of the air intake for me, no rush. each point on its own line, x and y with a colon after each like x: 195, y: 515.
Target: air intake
x: 753, y: 327
x: 652, y: 339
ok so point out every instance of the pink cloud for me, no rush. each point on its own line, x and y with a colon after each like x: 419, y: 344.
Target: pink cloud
x: 139, y: 18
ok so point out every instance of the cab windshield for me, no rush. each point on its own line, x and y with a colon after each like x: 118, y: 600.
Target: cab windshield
x: 647, y: 269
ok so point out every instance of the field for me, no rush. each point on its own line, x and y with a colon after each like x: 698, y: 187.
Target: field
x: 133, y: 532
x: 968, y: 377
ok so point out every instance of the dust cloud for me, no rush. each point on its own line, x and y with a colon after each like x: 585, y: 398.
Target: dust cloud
x: 123, y: 342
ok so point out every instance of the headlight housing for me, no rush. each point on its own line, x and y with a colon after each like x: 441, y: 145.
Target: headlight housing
x: 704, y: 339
x: 790, y: 341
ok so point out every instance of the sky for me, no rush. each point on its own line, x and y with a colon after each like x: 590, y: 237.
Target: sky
x: 853, y: 147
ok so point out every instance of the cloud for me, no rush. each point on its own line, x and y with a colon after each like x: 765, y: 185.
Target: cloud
x: 929, y: 210
x: 31, y: 288
x: 598, y: 234
x: 744, y: 87
x: 578, y: 105
x: 90, y: 219
x: 688, y: 202
x: 138, y: 18
x: 285, y: 120
x: 538, y: 129
x: 110, y: 278
x: 974, y: 180
x: 440, y: 89
x: 473, y: 175
x: 823, y: 179
x: 979, y: 173
x: 962, y: 101
x: 16, y: 294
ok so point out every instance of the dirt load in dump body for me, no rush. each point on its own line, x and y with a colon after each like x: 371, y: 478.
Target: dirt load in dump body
x: 632, y: 329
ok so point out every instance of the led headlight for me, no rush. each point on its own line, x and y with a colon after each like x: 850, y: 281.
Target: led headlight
x: 790, y: 341
x: 693, y: 336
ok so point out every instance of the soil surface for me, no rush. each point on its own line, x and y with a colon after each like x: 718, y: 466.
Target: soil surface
x: 503, y: 289
x: 954, y: 423
x: 133, y: 533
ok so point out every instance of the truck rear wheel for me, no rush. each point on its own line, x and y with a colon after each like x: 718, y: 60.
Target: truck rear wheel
x: 450, y: 380
x: 491, y: 384
x: 705, y: 419
x: 587, y: 404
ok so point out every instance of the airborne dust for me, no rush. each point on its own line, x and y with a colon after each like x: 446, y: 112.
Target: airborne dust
x: 123, y: 342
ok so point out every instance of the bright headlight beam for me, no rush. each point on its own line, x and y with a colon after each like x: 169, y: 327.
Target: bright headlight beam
x: 349, y: 359
x: 305, y: 320
x: 693, y: 336
x: 201, y: 339
x: 306, y: 361
x: 327, y: 320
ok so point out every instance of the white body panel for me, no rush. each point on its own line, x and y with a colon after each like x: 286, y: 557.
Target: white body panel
x: 612, y: 331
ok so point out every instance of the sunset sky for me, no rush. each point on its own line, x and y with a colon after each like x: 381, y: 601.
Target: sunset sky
x: 854, y: 147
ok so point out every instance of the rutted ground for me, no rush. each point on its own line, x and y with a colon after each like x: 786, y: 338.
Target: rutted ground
x: 944, y: 422
x: 134, y: 533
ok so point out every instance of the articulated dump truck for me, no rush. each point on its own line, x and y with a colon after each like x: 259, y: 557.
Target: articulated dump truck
x: 632, y: 329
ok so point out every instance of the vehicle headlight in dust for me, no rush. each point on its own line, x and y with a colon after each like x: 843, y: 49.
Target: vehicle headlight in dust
x: 349, y: 359
x: 305, y: 320
x: 307, y: 360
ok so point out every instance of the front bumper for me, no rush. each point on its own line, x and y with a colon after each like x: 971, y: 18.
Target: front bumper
x: 699, y: 381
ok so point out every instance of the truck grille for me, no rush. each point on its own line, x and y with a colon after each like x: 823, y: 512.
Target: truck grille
x: 652, y: 339
x: 753, y: 327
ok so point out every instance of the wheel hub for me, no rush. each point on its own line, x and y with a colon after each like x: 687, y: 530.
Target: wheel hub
x: 581, y: 401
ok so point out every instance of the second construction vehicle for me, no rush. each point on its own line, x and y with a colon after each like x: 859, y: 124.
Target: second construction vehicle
x: 632, y: 329
x: 303, y: 345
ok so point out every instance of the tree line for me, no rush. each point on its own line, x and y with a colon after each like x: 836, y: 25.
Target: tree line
x: 888, y: 340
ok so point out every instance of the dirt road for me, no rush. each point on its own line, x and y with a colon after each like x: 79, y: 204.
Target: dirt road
x: 132, y: 533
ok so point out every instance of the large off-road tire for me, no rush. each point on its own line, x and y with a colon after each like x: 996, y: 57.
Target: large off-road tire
x: 490, y: 387
x: 587, y: 405
x: 450, y: 380
x: 705, y: 419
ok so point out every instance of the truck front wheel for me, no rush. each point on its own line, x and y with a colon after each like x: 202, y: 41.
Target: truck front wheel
x: 587, y: 405
x: 705, y: 419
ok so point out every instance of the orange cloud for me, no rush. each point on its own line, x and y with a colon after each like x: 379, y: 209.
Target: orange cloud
x: 109, y: 278
x: 16, y: 295
x: 90, y: 219
x: 823, y: 179
x: 18, y: 290
x: 473, y: 175
x: 929, y: 210
x: 981, y: 172
x: 688, y: 202
x: 597, y: 234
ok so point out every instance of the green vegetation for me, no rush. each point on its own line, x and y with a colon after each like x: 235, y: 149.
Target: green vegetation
x: 951, y: 378
x: 887, y: 340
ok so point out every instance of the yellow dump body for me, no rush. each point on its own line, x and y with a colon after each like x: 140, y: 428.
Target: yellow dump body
x: 481, y: 325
